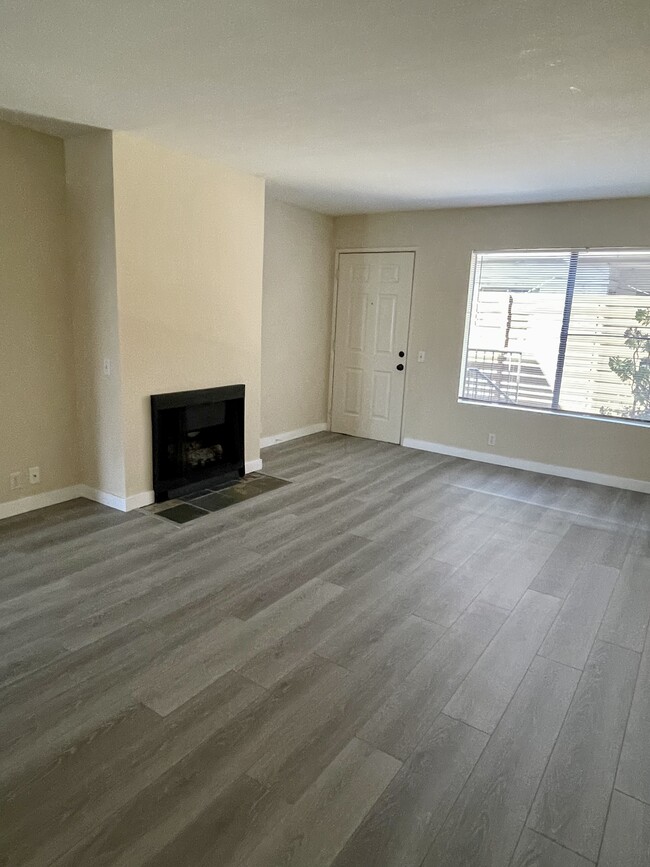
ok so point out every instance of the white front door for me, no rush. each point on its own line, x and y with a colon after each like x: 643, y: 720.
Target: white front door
x: 371, y: 342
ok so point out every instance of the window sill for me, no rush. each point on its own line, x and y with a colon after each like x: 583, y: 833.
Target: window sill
x: 627, y: 422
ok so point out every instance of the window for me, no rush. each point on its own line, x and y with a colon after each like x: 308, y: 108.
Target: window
x: 560, y: 330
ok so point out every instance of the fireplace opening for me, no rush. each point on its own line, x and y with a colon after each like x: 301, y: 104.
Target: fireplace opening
x: 197, y: 440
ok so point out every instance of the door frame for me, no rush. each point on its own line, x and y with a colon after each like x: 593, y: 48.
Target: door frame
x: 338, y: 252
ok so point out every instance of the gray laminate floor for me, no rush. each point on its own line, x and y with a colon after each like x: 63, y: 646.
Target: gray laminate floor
x: 399, y: 659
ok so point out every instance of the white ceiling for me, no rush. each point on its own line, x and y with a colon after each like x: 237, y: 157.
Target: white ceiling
x: 356, y: 105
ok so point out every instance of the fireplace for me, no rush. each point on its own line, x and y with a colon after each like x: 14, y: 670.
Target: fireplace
x: 197, y: 440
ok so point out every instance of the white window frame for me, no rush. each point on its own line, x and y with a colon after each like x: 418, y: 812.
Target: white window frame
x: 567, y: 414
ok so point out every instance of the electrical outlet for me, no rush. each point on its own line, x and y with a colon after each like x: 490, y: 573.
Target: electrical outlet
x: 34, y: 475
x: 492, y: 439
x: 421, y: 355
x: 107, y: 367
x: 15, y: 481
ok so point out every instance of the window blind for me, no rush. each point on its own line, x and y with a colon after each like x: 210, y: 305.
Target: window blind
x: 562, y: 330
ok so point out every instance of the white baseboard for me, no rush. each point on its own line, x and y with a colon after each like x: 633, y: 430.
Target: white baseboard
x: 137, y: 501
x: 40, y: 501
x: 265, y: 442
x: 639, y: 485
x: 51, y: 498
x: 122, y: 504
x: 103, y: 497
x: 144, y: 498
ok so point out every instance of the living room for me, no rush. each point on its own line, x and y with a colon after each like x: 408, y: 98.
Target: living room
x: 415, y: 248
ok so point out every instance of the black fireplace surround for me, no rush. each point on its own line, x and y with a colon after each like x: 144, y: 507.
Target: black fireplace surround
x: 197, y: 440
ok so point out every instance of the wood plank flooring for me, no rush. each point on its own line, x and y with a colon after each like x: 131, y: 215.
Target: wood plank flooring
x: 400, y: 659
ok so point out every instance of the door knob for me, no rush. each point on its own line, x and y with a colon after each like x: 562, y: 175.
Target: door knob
x: 400, y: 367
x: 401, y: 354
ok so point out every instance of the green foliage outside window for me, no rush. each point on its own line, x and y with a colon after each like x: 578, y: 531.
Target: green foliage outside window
x: 635, y: 369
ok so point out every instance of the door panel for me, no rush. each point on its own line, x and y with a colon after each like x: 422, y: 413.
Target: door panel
x: 353, y: 391
x: 389, y: 273
x: 372, y: 322
x: 381, y: 381
x: 357, y: 326
x: 386, y: 313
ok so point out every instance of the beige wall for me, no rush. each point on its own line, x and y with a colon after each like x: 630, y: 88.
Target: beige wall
x: 37, y: 394
x: 92, y: 269
x: 296, y: 320
x: 165, y: 258
x: 189, y: 241
x: 444, y: 240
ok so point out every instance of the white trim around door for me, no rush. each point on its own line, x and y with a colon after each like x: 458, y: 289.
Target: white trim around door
x: 335, y: 303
